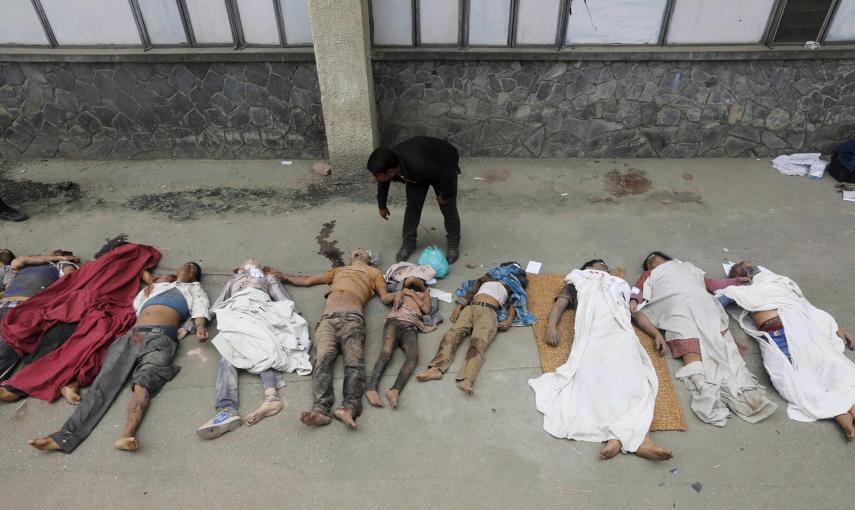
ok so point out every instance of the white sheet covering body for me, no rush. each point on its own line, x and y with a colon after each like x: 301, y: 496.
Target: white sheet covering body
x: 257, y: 333
x: 608, y: 386
x: 677, y: 301
x: 820, y: 381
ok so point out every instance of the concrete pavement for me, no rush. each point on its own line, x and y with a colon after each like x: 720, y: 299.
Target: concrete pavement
x: 440, y: 449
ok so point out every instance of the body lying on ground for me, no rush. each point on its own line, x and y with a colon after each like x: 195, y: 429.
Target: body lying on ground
x: 477, y: 315
x: 144, y: 354
x: 260, y: 331
x: 802, y: 346
x: 676, y: 298
x: 607, y: 389
x: 341, y: 329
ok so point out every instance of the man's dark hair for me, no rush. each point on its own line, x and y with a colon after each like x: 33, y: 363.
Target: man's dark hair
x: 654, y: 254
x: 382, y: 159
x: 590, y: 263
x: 521, y: 274
x: 198, y: 269
x: 112, y: 244
x: 6, y: 256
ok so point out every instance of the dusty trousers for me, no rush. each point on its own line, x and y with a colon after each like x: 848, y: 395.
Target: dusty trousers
x: 480, y: 324
x: 339, y: 333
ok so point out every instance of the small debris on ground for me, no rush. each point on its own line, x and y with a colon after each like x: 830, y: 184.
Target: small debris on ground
x: 725, y: 250
x: 687, y: 176
x: 493, y: 409
x: 286, y: 162
x: 479, y: 178
x: 322, y: 168
x: 564, y: 194
x: 674, y: 471
x: 474, y: 266
x: 697, y: 486
x: 665, y: 202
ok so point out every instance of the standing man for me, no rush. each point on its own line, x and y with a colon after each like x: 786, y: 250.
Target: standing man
x: 420, y: 162
x: 10, y: 214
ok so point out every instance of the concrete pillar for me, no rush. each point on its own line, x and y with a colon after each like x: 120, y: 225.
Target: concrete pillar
x: 341, y: 36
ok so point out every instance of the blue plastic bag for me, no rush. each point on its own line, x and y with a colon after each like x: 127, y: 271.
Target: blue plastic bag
x: 433, y: 257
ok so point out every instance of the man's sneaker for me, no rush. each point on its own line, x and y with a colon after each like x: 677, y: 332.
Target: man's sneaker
x: 9, y: 214
x: 226, y: 420
x: 404, y: 253
x: 452, y: 254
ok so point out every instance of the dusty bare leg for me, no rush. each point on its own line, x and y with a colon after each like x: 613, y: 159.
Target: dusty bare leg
x: 315, y: 419
x: 45, y: 444
x: 392, y: 395
x: 8, y: 396
x: 847, y: 423
x: 373, y: 398
x: 852, y: 412
x: 611, y: 449
x: 345, y: 416
x: 691, y: 357
x: 652, y: 451
x: 271, y: 406
x: 137, y: 408
x: 69, y: 391
x: 431, y: 374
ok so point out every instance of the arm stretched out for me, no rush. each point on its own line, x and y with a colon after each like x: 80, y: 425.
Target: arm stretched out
x: 645, y: 325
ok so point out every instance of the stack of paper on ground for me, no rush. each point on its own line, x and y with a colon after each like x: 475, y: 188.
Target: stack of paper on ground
x: 808, y: 163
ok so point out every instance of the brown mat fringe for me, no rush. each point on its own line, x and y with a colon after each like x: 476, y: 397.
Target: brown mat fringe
x: 542, y: 289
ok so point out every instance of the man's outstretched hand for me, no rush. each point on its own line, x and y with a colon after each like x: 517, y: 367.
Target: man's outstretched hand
x: 384, y: 213
x: 552, y: 337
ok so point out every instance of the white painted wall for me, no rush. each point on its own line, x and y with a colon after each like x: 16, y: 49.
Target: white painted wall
x: 295, y: 16
x: 210, y: 21
x: 842, y: 27
x: 163, y: 21
x: 92, y: 22
x: 537, y: 21
x: 488, y: 22
x: 615, y: 21
x: 19, y: 24
x: 439, y: 21
x: 393, y: 22
x: 258, y: 20
x: 719, y: 21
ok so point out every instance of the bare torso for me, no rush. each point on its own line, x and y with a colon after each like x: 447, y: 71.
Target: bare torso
x: 343, y: 301
x: 158, y: 315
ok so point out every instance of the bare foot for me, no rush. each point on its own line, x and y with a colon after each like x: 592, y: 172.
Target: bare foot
x: 129, y: 444
x: 465, y: 386
x: 268, y: 408
x: 652, y: 451
x: 345, y: 416
x: 8, y: 396
x: 611, y: 449
x: 847, y: 423
x: 373, y: 398
x: 45, y: 444
x: 392, y: 396
x: 70, y: 394
x: 431, y: 374
x: 315, y: 419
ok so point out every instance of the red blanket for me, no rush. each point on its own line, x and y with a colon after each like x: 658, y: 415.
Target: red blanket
x: 100, y: 297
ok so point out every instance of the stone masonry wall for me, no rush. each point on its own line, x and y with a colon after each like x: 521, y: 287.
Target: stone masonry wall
x: 133, y: 111
x: 620, y: 109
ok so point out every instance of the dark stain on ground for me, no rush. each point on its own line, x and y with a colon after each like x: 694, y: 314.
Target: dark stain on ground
x: 494, y: 176
x: 633, y: 182
x: 602, y: 200
x: 189, y: 204
x: 687, y: 176
x: 327, y: 248
x: 677, y: 197
x: 19, y: 192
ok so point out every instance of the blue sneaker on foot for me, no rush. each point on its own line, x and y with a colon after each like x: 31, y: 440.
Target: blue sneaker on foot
x: 226, y: 420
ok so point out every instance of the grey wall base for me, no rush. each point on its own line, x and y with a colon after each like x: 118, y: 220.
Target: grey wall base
x: 620, y: 109
x: 135, y: 111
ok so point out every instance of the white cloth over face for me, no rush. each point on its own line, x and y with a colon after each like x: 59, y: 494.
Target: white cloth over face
x: 678, y: 302
x: 820, y: 381
x: 257, y: 333
x: 607, y: 388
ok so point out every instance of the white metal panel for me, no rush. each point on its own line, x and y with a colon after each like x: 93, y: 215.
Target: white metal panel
x: 210, y: 21
x: 163, y: 21
x: 842, y: 27
x: 488, y: 22
x: 92, y: 22
x: 19, y: 24
x: 719, y: 21
x: 615, y: 22
x: 537, y: 21
x: 439, y: 21
x: 295, y: 16
x: 393, y: 22
x: 258, y: 20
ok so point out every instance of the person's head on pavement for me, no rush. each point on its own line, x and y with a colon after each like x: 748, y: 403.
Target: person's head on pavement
x: 414, y: 283
x: 596, y: 264
x: 653, y: 260
x: 364, y: 257
x: 189, y: 273
x: 743, y: 269
x: 6, y: 257
x: 384, y: 165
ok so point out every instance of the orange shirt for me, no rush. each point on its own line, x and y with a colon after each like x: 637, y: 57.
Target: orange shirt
x: 361, y: 281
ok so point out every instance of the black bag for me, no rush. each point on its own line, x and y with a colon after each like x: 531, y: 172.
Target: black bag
x: 842, y: 166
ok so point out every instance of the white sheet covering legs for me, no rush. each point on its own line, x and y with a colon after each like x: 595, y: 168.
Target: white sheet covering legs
x: 607, y: 388
x: 256, y: 333
x: 820, y: 381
